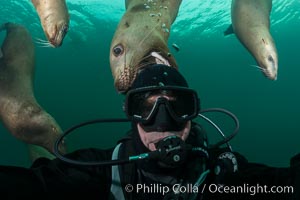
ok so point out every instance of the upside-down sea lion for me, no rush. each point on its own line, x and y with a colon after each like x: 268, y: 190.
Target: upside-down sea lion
x: 54, y: 17
x: 141, y: 38
x: 251, y: 24
x: 19, y: 110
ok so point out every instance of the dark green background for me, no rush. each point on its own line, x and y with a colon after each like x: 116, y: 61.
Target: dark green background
x: 74, y: 83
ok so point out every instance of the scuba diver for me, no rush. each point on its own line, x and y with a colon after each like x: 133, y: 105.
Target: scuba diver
x: 166, y: 155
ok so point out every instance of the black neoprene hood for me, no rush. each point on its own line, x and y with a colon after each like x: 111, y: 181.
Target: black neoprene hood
x: 158, y: 75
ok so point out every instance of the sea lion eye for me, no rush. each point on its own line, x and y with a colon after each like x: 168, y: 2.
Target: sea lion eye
x: 270, y: 58
x: 65, y: 29
x: 118, y: 50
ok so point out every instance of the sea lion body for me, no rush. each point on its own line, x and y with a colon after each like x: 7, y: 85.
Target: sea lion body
x: 54, y: 17
x: 143, y: 29
x: 19, y: 110
x: 251, y: 24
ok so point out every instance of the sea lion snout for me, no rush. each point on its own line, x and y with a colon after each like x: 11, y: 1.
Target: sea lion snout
x: 270, y: 67
x: 58, y: 33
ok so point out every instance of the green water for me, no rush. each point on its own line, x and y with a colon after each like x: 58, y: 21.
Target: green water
x: 74, y: 82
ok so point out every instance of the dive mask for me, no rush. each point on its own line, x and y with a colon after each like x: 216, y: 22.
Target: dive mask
x: 171, y: 105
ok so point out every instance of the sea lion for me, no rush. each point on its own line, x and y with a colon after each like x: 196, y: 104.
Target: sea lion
x: 251, y: 24
x: 141, y: 38
x: 19, y: 111
x: 54, y: 17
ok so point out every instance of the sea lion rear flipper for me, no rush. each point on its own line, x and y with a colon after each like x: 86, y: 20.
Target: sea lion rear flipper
x: 229, y: 30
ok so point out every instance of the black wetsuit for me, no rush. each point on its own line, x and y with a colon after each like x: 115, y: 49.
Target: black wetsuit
x: 54, y: 179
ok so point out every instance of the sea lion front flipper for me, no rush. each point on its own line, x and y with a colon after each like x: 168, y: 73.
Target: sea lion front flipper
x: 36, y: 152
x: 19, y: 111
x: 229, y: 30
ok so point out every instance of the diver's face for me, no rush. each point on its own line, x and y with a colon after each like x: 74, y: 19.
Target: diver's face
x: 149, y: 138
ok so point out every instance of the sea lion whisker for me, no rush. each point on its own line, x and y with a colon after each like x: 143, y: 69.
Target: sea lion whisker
x: 146, y: 64
x: 40, y: 40
x: 43, y: 43
x: 145, y: 57
x: 47, y: 45
x: 258, y: 67
x: 142, y: 62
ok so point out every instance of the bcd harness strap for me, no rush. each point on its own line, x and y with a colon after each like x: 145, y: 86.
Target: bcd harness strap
x: 116, y: 187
